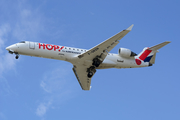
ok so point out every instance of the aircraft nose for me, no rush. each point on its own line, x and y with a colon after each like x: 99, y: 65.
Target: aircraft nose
x: 8, y: 48
x: 11, y: 47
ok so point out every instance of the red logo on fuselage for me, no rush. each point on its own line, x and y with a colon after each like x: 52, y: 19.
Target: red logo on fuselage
x: 138, y: 62
x: 50, y: 47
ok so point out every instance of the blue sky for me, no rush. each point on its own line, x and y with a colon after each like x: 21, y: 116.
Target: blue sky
x: 45, y: 89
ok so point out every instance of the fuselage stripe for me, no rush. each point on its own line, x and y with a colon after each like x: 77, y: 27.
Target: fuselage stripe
x: 145, y: 54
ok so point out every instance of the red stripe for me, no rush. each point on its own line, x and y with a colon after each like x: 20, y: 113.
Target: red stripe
x: 145, y: 54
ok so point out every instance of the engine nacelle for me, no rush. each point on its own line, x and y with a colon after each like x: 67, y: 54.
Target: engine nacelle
x: 123, y: 52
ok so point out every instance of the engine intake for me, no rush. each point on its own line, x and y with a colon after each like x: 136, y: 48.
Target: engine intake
x: 124, y: 52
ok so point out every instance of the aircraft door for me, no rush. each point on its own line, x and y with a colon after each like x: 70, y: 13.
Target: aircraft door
x: 31, y: 45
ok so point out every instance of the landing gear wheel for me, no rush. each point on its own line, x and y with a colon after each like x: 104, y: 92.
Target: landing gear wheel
x: 17, y: 57
x: 90, y: 74
x: 96, y: 62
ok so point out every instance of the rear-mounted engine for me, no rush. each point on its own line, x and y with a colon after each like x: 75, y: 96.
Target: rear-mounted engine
x: 123, y: 52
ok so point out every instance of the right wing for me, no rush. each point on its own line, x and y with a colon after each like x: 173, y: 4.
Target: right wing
x: 81, y: 75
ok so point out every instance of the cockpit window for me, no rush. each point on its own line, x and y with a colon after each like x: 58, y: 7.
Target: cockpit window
x: 22, y: 42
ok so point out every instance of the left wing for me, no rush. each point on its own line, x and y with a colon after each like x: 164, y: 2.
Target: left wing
x: 103, y: 48
x: 81, y: 75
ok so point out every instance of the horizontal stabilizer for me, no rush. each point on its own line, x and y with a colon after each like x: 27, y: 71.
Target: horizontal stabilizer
x: 156, y: 47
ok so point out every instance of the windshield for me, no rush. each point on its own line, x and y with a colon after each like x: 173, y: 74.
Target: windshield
x: 22, y: 42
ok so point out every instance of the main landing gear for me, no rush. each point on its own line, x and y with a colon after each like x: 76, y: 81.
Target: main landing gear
x: 90, y: 74
x: 97, y: 61
x: 91, y: 71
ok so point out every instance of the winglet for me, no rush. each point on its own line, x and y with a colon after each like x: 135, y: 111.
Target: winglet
x: 130, y: 28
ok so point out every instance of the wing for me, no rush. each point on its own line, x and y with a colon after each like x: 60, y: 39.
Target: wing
x: 81, y: 75
x: 103, y: 48
x: 83, y: 68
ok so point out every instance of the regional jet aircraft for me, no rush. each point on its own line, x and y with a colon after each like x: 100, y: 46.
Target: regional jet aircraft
x: 85, y: 62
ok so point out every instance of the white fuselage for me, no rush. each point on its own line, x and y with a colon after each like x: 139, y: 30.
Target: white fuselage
x: 70, y: 54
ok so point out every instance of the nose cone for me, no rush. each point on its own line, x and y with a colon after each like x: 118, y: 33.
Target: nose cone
x: 11, y: 47
x: 8, y: 48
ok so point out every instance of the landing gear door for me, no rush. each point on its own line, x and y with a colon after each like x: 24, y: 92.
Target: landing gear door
x: 31, y: 45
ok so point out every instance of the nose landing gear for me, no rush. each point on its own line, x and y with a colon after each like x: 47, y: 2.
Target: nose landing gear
x: 17, y: 55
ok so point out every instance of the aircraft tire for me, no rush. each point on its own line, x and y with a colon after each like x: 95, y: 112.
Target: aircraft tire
x: 17, y: 57
x: 96, y: 63
x: 90, y: 74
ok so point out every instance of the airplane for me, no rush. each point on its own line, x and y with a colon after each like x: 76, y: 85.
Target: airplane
x: 85, y: 62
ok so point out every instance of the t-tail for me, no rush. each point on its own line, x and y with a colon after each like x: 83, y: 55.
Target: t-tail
x: 149, y: 54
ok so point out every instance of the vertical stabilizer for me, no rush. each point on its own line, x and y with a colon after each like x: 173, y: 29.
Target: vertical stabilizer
x: 149, y: 54
x: 152, y: 61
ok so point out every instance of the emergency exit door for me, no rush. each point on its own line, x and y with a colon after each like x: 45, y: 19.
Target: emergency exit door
x: 31, y: 45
